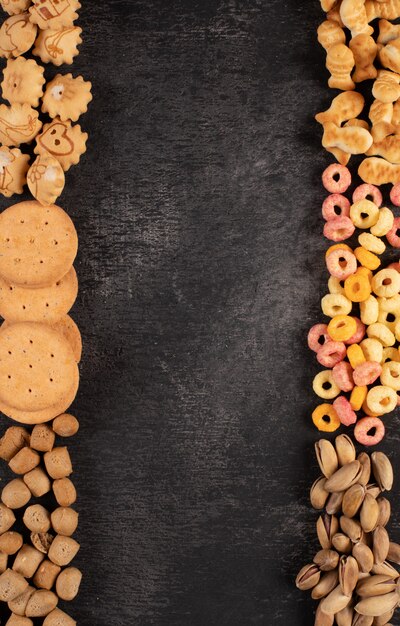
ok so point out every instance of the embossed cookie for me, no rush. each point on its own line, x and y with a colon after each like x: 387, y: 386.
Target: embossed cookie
x: 23, y: 81
x: 37, y: 366
x: 19, y: 123
x: 14, y: 7
x: 46, y: 179
x: 43, y: 304
x: 58, y: 46
x: 38, y: 244
x: 71, y: 332
x: 13, y: 168
x: 63, y: 141
x: 54, y: 13
x: 17, y: 36
x: 67, y: 97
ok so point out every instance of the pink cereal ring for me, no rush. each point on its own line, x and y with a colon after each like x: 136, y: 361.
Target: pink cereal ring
x: 367, y: 373
x: 342, y: 375
x: 395, y: 194
x: 339, y: 228
x: 341, y: 264
x: 317, y: 336
x: 358, y: 335
x: 335, y: 205
x: 367, y: 192
x: 394, y: 266
x: 336, y: 178
x: 392, y: 236
x: 364, y: 427
x: 345, y: 413
x: 331, y: 353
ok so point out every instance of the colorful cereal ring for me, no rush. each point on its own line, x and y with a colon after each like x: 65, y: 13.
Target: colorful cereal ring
x: 363, y: 428
x: 368, y: 192
x: 317, y: 336
x: 336, y: 178
x: 335, y: 205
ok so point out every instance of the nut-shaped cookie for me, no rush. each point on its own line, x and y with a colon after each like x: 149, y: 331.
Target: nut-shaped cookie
x: 54, y: 13
x: 67, y: 97
x: 13, y: 169
x: 46, y: 179
x: 19, y: 123
x: 64, y: 141
x: 23, y: 81
x: 58, y: 46
x: 17, y: 36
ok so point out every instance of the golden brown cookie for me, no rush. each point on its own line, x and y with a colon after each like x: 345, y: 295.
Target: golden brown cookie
x: 23, y: 81
x: 54, y: 13
x: 58, y: 46
x: 71, y: 332
x: 19, y: 123
x: 13, y: 168
x: 43, y: 304
x: 14, y: 7
x: 38, y: 244
x: 17, y: 36
x: 67, y: 97
x: 46, y: 179
x: 37, y: 366
x: 63, y: 141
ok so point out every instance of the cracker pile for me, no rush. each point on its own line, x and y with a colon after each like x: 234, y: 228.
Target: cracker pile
x: 40, y: 344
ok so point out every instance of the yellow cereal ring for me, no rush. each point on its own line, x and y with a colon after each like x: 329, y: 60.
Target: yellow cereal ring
x: 342, y: 327
x: 381, y: 400
x: 355, y: 355
x: 337, y: 246
x: 397, y: 331
x: 391, y: 375
x: 364, y: 213
x: 335, y: 304
x: 371, y: 243
x: 384, y: 223
x: 365, y: 409
x: 357, y: 288
x: 369, y: 310
x: 325, y: 418
x: 357, y: 397
x: 372, y: 349
x: 382, y: 333
x: 334, y: 286
x: 367, y: 259
x: 324, y: 385
x: 386, y: 283
x: 390, y: 354
x: 364, y: 271
x: 391, y: 305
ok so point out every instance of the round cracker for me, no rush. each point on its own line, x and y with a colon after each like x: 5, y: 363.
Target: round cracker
x: 38, y: 244
x: 44, y: 304
x: 67, y: 327
x: 37, y: 366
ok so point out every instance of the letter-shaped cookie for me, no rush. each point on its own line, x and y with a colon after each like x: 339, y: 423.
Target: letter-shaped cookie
x: 364, y: 50
x: 340, y: 62
x: 376, y: 171
x: 354, y: 16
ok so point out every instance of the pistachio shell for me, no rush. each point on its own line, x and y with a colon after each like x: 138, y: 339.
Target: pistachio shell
x: 327, y: 526
x: 308, y: 577
x: 351, y: 528
x: 377, y: 605
x: 365, y: 462
x: 318, y: 493
x: 348, y: 574
x: 386, y: 569
x: 380, y: 546
x: 353, y: 499
x: 327, y: 582
x: 384, y: 511
x: 369, y: 513
x: 326, y: 560
x: 342, y: 543
x: 335, y: 601
x: 364, y: 557
x: 334, y: 503
x: 345, y: 450
x: 376, y: 585
x: 344, y: 477
x: 394, y: 553
x: 326, y: 457
x: 383, y: 470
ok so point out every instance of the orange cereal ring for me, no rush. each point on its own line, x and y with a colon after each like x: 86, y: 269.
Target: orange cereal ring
x: 342, y: 327
x: 367, y: 259
x: 364, y: 271
x: 337, y: 246
x: 325, y: 418
x: 355, y: 355
x: 357, y: 288
x: 357, y: 397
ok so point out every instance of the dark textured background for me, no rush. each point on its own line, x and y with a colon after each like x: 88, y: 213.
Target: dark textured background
x: 201, y: 268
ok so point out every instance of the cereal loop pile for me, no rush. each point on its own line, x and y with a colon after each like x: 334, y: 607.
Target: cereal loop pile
x: 40, y: 344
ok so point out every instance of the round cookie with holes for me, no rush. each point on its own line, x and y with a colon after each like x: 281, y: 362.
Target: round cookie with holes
x: 44, y: 304
x: 38, y: 244
x: 38, y: 369
x: 67, y: 327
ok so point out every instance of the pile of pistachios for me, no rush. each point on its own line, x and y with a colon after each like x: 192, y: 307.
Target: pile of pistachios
x: 352, y: 575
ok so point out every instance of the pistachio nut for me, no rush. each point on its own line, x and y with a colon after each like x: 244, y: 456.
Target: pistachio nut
x: 386, y: 569
x: 353, y: 499
x: 308, y: 577
x: 334, y: 502
x: 327, y: 582
x: 345, y: 450
x: 362, y: 620
x: 326, y: 457
x: 365, y: 462
x: 369, y: 513
x: 344, y: 477
x: 318, y: 493
x: 394, y: 553
x: 383, y: 470
x: 327, y: 526
x: 351, y: 528
x: 383, y: 620
x: 323, y: 619
x: 380, y: 546
x: 335, y: 601
x: 348, y: 574
x: 376, y: 585
x: 364, y: 557
x: 345, y: 616
x: 342, y: 543
x: 385, y: 510
x: 377, y: 605
x: 373, y: 489
x: 326, y: 560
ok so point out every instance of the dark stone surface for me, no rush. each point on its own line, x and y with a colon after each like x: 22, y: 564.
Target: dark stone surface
x: 201, y: 269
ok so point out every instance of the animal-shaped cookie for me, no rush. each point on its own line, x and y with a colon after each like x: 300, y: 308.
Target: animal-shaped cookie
x: 23, y: 81
x: 386, y: 142
x: 340, y: 63
x: 352, y: 140
x: 63, y: 141
x: 380, y: 112
x: 354, y: 17
x: 376, y: 171
x: 54, y: 14
x: 67, y: 97
x: 387, y: 32
x: 389, y: 55
x: 46, y: 179
x: 58, y: 46
x: 330, y: 33
x: 344, y: 107
x: 364, y: 50
x: 389, y: 10
x: 19, y: 123
x: 14, y: 7
x: 386, y: 88
x: 17, y: 35
x: 13, y: 169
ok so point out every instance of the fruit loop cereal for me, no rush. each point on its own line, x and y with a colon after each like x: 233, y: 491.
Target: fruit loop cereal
x: 335, y: 205
x: 368, y: 192
x: 336, y: 178
x: 369, y: 431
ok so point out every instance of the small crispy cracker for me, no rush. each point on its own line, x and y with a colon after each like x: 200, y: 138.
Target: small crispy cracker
x: 67, y: 97
x: 364, y: 50
x: 330, y: 33
x: 58, y: 46
x: 354, y: 17
x: 350, y: 139
x: 376, y: 171
x: 17, y: 36
x: 340, y: 63
x: 54, y: 13
x: 46, y: 179
x: 64, y: 141
x: 71, y: 332
x: 19, y: 123
x: 13, y: 169
x: 14, y: 7
x: 23, y: 81
x: 344, y: 107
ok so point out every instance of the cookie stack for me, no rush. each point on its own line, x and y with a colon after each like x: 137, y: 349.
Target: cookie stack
x: 40, y: 344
